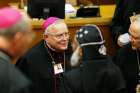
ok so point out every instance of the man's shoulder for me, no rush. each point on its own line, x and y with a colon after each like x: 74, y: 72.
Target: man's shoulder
x: 11, y: 78
x: 17, y: 79
x: 36, y: 49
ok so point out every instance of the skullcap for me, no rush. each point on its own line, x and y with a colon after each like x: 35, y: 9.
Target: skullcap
x: 49, y: 21
x: 8, y: 17
x: 89, y: 35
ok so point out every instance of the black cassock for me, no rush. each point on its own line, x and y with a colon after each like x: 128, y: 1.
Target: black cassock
x: 94, y: 76
x: 127, y: 60
x: 37, y: 65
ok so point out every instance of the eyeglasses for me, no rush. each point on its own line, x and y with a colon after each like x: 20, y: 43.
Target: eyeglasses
x: 61, y: 35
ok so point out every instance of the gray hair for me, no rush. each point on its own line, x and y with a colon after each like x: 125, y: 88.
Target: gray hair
x: 135, y: 23
x: 135, y: 18
x: 21, y: 26
x: 56, y: 25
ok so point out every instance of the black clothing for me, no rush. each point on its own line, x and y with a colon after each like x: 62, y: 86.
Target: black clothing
x: 97, y: 74
x: 37, y: 65
x: 120, y: 22
x: 11, y: 79
x: 94, y: 76
x: 89, y: 34
x: 127, y: 60
x: 56, y: 8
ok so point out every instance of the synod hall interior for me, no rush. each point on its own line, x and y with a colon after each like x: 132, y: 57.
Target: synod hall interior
x: 100, y: 13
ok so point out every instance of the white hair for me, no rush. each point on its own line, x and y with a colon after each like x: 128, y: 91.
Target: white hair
x: 136, y: 23
x: 57, y: 24
x: 135, y: 18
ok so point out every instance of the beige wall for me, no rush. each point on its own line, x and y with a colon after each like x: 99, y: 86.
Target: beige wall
x: 73, y: 2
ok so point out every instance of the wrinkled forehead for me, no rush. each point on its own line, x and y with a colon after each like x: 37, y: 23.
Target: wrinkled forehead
x: 59, y: 28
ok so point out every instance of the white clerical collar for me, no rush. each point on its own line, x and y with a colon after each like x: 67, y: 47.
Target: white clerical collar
x: 46, y: 44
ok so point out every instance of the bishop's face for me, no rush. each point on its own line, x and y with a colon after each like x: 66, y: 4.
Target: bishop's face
x: 134, y: 32
x: 58, y: 37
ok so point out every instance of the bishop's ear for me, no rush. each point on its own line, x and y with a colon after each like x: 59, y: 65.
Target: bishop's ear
x: 18, y: 35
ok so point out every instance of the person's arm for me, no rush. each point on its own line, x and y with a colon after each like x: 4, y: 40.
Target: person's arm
x: 116, y: 26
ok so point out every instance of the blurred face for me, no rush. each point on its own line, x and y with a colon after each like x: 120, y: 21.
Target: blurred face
x: 57, y: 38
x: 22, y: 43
x: 134, y: 32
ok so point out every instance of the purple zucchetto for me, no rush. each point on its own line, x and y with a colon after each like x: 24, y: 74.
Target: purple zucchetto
x: 8, y: 17
x: 49, y: 21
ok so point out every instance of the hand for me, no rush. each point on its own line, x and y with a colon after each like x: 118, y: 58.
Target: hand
x: 123, y: 39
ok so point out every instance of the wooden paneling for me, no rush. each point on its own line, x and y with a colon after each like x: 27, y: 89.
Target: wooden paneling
x: 4, y: 3
x: 14, y: 3
x: 95, y: 2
